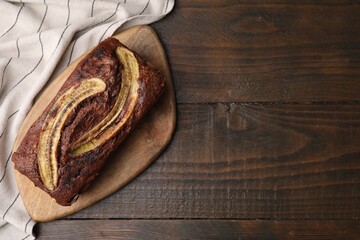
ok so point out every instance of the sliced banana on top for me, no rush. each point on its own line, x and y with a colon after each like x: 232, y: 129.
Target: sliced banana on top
x: 104, y: 130
x: 128, y: 92
x: 53, y: 124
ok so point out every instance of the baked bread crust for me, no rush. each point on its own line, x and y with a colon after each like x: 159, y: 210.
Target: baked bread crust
x: 76, y: 172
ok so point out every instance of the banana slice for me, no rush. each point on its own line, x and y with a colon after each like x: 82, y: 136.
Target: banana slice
x: 51, y: 130
x: 128, y: 93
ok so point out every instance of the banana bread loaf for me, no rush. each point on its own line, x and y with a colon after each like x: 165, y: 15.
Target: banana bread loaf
x: 99, y: 104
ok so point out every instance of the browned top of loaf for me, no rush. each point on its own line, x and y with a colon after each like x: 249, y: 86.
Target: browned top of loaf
x: 76, y: 173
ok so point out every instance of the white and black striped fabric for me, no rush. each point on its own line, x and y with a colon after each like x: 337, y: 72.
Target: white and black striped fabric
x: 38, y: 39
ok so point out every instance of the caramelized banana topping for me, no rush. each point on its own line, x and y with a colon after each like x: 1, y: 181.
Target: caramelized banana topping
x: 128, y: 93
x: 100, y: 133
x: 54, y: 122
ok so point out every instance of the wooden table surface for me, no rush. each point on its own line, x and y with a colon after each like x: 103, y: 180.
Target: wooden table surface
x: 267, y: 144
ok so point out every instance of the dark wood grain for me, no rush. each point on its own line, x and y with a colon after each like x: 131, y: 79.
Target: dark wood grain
x: 250, y: 161
x: 199, y: 229
x: 285, y: 145
x: 256, y: 51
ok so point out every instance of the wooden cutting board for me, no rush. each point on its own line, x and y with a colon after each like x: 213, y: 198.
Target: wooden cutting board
x: 135, y: 154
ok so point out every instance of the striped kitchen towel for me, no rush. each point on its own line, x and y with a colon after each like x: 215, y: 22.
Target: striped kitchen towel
x: 38, y: 39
